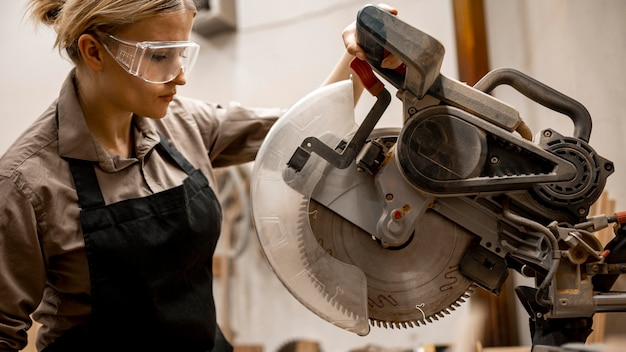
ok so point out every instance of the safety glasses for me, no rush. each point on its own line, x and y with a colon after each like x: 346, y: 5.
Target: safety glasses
x: 152, y: 61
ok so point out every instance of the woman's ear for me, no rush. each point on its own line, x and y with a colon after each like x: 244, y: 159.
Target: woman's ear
x: 91, y: 51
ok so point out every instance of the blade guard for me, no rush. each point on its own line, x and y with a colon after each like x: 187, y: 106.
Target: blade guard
x: 335, y: 291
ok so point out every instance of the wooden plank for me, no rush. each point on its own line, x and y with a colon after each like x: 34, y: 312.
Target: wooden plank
x: 247, y: 348
x: 307, y: 346
x: 471, y: 40
x: 300, y: 346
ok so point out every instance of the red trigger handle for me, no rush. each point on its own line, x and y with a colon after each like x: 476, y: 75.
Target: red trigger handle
x: 365, y: 73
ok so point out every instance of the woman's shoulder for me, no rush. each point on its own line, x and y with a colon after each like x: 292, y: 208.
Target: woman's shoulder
x: 188, y: 106
x: 35, y: 149
x: 232, y: 110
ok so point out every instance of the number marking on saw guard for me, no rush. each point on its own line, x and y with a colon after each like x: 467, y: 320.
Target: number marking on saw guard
x: 419, y: 307
x: 380, y: 303
x: 450, y: 275
x: 338, y: 292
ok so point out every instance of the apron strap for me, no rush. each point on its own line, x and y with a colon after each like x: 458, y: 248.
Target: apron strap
x: 178, y: 158
x: 86, y: 183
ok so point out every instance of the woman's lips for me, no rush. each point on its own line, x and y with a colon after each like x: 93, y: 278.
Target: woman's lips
x: 168, y: 97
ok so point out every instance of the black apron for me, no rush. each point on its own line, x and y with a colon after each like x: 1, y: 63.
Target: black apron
x: 150, y: 266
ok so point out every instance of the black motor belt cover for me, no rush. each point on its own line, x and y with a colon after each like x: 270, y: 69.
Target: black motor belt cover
x: 447, y: 151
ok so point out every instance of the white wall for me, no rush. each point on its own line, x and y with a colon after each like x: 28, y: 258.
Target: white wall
x: 31, y: 70
x: 576, y: 47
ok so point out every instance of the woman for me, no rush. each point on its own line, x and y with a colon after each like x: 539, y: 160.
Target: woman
x: 109, y: 221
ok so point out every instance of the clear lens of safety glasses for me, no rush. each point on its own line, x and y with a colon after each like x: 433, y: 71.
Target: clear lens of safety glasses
x: 154, y: 62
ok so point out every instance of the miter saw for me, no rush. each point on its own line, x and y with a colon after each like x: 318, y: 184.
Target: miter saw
x: 395, y: 227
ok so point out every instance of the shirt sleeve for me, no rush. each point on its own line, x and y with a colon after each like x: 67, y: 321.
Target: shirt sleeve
x: 232, y: 134
x: 22, y: 273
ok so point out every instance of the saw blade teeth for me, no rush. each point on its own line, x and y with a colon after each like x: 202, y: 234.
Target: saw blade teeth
x: 434, y: 317
x: 342, y: 240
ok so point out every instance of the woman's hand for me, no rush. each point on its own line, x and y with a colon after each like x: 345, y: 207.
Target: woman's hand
x: 353, y: 48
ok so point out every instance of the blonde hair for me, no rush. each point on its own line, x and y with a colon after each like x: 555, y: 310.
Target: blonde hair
x: 72, y: 18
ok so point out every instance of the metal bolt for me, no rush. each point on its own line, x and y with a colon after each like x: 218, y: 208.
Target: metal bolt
x: 547, y: 133
x: 495, y: 160
x: 412, y: 111
x: 389, y: 196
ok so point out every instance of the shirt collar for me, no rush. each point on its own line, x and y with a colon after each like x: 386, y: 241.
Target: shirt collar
x: 77, y: 142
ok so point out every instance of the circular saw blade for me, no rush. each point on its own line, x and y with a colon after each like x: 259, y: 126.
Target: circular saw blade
x: 330, y: 265
x: 408, y: 286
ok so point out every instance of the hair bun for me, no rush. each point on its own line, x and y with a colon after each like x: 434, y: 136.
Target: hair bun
x: 52, y: 14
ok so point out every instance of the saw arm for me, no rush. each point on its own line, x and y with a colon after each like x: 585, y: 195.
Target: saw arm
x: 398, y: 226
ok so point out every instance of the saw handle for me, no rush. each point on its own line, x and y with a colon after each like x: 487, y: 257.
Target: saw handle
x: 542, y: 94
x: 380, y: 33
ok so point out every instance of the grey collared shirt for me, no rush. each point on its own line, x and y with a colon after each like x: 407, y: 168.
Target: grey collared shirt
x: 43, y: 268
